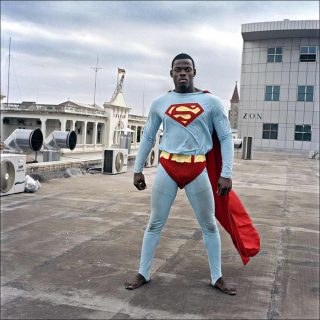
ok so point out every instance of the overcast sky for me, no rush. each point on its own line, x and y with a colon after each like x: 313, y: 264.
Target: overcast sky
x: 54, y: 44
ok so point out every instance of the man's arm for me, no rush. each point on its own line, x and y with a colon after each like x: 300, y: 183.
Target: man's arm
x: 149, y: 134
x: 224, y: 133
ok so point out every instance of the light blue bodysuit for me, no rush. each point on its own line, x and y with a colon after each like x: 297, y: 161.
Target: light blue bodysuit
x: 188, y: 122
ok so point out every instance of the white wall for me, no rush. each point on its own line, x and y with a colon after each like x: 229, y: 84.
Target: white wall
x: 256, y: 74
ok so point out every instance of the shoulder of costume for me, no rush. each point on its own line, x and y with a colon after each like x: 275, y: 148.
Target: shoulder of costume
x: 203, y: 91
x: 159, y: 98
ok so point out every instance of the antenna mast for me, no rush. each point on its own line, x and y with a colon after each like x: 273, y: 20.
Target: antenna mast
x: 96, y: 69
x: 9, y: 72
x: 143, y: 109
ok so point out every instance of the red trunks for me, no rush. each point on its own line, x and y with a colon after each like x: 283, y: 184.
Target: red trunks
x: 182, y: 172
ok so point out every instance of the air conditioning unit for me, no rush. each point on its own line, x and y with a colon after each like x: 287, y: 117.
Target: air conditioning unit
x: 115, y: 161
x: 13, y: 173
x: 153, y: 157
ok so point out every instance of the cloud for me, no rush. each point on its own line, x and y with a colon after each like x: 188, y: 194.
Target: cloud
x: 55, y: 43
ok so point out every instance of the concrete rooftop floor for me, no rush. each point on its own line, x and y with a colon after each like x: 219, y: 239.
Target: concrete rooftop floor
x: 67, y: 249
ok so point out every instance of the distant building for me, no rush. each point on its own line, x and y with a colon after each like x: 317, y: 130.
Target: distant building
x: 233, y: 112
x: 96, y: 127
x: 279, y: 90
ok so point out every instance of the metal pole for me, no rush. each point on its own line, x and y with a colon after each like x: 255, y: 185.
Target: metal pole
x: 143, y: 109
x: 9, y: 72
x: 96, y: 69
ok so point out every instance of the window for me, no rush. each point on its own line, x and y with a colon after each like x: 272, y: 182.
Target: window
x: 275, y: 54
x: 272, y: 93
x: 308, y: 54
x: 270, y: 131
x: 305, y: 93
x: 302, y: 132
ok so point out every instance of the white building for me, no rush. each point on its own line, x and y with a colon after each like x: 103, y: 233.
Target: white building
x: 279, y: 90
x: 97, y: 128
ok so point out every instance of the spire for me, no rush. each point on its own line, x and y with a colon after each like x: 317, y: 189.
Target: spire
x: 235, y: 96
x: 117, y: 97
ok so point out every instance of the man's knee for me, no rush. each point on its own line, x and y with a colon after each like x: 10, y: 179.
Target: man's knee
x: 155, y: 227
x: 209, y: 228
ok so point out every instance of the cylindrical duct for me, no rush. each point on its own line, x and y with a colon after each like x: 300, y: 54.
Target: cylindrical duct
x: 61, y: 139
x: 247, y: 148
x: 24, y: 140
x: 66, y: 139
x: 125, y: 142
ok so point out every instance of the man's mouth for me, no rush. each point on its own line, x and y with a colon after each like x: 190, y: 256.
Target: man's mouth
x: 182, y: 80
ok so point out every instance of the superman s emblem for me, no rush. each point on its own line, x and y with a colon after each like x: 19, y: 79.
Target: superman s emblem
x: 184, y: 113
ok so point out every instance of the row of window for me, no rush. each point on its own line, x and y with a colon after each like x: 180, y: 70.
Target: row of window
x: 307, y: 54
x: 305, y: 93
x: 302, y: 132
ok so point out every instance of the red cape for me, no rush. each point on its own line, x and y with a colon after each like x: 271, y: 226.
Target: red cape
x: 229, y: 210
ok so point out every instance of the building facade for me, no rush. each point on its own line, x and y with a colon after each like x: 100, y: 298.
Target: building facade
x: 97, y: 127
x: 279, y: 90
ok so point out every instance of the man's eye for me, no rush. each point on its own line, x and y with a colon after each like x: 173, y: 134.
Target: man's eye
x: 177, y: 69
x: 188, y: 69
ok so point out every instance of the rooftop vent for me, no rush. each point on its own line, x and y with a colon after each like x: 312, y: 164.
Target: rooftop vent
x: 24, y: 140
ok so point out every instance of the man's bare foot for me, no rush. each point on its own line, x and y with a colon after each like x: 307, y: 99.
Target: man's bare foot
x: 221, y: 285
x: 138, y: 281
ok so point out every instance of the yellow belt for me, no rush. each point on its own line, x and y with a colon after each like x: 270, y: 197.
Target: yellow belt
x: 183, y: 157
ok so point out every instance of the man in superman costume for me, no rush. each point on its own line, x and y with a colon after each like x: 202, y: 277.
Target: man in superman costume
x: 196, y: 154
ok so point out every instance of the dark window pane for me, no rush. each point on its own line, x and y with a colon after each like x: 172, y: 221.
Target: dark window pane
x: 301, y: 89
x: 298, y: 136
x: 274, y: 135
x: 271, y: 50
x: 278, y: 50
x: 301, y: 96
x: 307, y: 58
x: 268, y: 97
x: 274, y: 126
x: 278, y: 58
x: 312, y: 58
x: 275, y: 97
x: 266, y: 135
x: 309, y: 97
x: 299, y: 128
x: 266, y: 126
x: 271, y: 58
x: 276, y: 89
x: 312, y: 49
x: 307, y: 128
x: 307, y: 137
x: 304, y: 50
x: 268, y: 89
x: 309, y: 90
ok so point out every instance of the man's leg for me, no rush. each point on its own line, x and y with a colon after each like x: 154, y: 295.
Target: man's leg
x: 200, y: 195
x: 164, y: 190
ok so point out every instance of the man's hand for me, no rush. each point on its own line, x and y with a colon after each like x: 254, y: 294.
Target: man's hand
x: 139, y: 182
x: 224, y: 186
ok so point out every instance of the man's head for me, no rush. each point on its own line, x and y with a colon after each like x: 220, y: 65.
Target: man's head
x: 182, y: 71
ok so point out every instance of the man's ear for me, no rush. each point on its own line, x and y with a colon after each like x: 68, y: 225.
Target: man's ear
x: 194, y: 72
x: 171, y: 73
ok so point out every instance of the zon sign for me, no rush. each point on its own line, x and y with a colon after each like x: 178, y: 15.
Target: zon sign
x: 252, y: 116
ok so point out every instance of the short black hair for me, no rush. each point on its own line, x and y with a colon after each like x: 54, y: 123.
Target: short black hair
x: 181, y: 56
